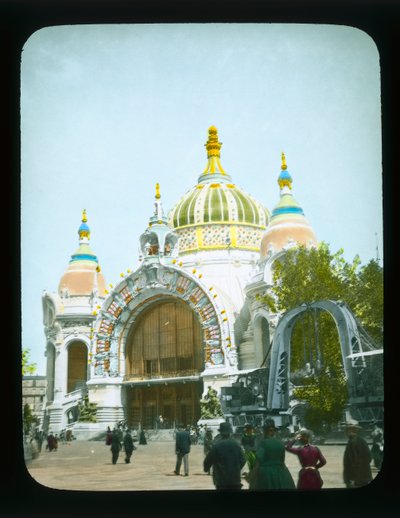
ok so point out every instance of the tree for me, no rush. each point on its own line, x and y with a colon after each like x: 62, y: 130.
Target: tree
x: 27, y: 366
x: 210, y: 405
x: 29, y: 420
x: 307, y: 275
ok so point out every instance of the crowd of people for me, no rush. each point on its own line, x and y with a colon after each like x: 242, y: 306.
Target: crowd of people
x: 225, y: 457
x: 262, y: 454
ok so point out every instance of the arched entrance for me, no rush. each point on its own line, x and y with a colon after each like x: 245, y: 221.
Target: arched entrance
x: 77, y: 366
x: 164, y: 359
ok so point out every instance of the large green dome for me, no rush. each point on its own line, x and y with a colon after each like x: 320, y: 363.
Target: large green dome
x: 218, y: 202
x: 215, y: 213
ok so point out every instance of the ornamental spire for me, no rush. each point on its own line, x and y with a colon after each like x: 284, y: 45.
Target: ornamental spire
x: 84, y: 230
x: 213, y: 147
x: 284, y: 179
x: 284, y: 166
x: 158, y: 216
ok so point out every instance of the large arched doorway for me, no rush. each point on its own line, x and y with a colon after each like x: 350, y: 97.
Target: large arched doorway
x: 77, y: 366
x: 164, y: 357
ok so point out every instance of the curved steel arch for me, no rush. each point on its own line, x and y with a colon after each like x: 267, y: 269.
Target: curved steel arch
x: 350, y: 342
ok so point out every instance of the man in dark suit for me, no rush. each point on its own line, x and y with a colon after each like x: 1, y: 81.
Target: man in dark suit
x: 227, y: 459
x: 356, y: 458
x: 182, y: 448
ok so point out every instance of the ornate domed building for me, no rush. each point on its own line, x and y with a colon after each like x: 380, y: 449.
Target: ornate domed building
x: 186, y: 320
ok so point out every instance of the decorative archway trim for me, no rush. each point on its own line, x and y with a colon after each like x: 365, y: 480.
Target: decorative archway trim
x: 154, y: 281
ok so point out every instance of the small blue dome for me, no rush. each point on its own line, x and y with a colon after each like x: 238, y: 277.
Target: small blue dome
x: 285, y: 175
x: 85, y: 227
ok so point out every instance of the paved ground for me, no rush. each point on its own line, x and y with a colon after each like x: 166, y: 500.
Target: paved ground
x: 86, y: 465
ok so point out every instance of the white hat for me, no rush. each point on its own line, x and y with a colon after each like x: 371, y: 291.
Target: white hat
x: 352, y: 423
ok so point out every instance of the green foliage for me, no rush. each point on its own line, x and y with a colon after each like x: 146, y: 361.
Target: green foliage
x: 87, y: 411
x: 305, y: 276
x: 29, y: 420
x: 210, y: 405
x: 326, y: 396
x: 27, y: 367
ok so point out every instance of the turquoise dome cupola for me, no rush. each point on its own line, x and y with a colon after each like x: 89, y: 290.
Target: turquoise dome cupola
x: 84, y: 252
x: 83, y: 276
x: 288, y: 226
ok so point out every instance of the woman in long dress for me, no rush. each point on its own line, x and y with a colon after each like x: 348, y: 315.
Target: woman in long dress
x: 270, y: 470
x: 310, y: 458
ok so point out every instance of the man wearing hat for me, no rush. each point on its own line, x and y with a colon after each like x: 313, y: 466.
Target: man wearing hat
x: 227, y: 459
x: 356, y: 458
x: 182, y: 449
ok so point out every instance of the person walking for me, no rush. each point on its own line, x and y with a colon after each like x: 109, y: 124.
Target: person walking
x: 310, y: 458
x: 51, y: 442
x: 69, y: 437
x: 108, y: 436
x: 248, y: 440
x: 377, y: 446
x: 201, y: 435
x: 356, y: 458
x: 226, y: 458
x: 128, y: 446
x: 182, y: 449
x: 207, y: 444
x: 115, y: 445
x: 270, y: 470
x: 142, y: 438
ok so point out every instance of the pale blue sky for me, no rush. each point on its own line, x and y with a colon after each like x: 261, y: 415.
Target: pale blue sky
x: 109, y: 110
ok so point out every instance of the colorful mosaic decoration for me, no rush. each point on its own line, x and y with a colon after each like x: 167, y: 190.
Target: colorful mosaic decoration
x: 124, y: 300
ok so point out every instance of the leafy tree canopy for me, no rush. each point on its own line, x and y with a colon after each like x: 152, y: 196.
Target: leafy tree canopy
x: 304, y: 275
x: 28, y: 368
x: 307, y: 275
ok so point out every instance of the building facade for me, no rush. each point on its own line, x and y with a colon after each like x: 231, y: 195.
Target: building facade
x: 187, y: 319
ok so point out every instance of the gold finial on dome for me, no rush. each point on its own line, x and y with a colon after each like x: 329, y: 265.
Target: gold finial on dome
x: 158, y: 195
x: 284, y: 179
x: 84, y: 231
x: 213, y: 147
x: 284, y: 166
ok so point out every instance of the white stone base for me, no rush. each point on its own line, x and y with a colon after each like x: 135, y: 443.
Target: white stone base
x: 87, y: 431
x: 212, y: 424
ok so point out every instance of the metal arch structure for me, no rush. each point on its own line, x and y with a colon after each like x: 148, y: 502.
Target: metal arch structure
x: 351, y: 348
